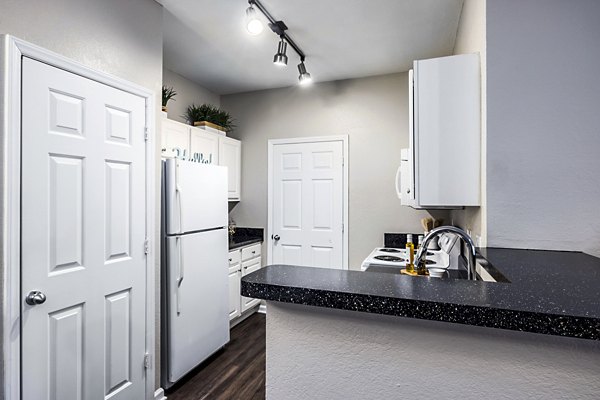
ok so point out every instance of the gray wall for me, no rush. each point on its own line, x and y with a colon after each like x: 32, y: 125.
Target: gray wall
x: 373, y: 111
x: 317, y: 353
x: 122, y: 38
x: 543, y: 130
x: 470, y: 38
x: 188, y: 92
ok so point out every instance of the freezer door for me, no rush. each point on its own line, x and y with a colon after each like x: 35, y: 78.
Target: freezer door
x: 196, y: 196
x: 197, y: 299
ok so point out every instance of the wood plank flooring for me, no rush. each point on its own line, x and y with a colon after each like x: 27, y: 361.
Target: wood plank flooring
x: 235, y: 373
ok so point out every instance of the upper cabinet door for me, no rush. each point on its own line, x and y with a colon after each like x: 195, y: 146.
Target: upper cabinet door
x: 230, y: 156
x: 447, y: 131
x: 175, y: 139
x: 204, y: 146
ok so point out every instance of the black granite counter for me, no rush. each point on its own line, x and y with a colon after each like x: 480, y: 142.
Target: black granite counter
x: 245, y: 236
x: 550, y: 292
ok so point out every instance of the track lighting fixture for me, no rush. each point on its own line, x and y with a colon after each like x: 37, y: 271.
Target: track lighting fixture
x: 280, y: 58
x: 254, y: 26
x: 304, y: 77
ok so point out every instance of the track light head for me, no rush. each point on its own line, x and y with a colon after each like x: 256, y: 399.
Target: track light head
x: 281, y: 58
x: 304, y: 78
x: 253, y: 24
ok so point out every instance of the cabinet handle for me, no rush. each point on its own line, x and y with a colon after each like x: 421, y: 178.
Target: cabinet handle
x: 254, y: 252
x: 230, y: 260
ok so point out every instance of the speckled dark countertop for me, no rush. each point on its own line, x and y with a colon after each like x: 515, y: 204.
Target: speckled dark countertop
x: 245, y: 236
x: 550, y: 292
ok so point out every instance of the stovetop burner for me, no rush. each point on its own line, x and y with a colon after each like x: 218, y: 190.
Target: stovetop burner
x: 390, y: 250
x: 388, y: 258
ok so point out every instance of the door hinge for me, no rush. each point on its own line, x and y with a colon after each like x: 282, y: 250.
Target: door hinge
x: 146, y: 246
x: 343, y: 161
x: 342, y: 227
x: 146, y: 133
x: 147, y: 361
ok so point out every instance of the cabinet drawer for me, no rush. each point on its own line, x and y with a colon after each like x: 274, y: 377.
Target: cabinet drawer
x: 251, y: 252
x: 250, y: 266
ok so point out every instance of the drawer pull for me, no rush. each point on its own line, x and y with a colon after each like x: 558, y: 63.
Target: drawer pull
x: 230, y: 260
x: 253, y: 251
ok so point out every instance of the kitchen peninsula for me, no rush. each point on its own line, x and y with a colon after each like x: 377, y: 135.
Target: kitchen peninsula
x: 348, y: 334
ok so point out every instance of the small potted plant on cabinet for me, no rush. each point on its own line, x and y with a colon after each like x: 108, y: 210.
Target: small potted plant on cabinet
x: 209, y: 117
x: 168, y: 93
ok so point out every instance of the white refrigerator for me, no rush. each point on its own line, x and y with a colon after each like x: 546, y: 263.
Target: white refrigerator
x: 195, y: 316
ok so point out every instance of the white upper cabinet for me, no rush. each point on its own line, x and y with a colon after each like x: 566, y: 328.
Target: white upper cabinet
x: 441, y: 167
x: 175, y: 139
x: 203, y: 146
x: 230, y: 155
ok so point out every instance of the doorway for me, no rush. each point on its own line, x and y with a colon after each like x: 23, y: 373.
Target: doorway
x: 308, y: 202
x: 78, y: 261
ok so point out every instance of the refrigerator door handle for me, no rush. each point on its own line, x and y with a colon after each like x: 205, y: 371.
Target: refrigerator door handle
x: 178, y: 196
x: 180, y: 278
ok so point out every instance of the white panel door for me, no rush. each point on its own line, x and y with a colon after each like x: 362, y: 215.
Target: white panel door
x: 307, y: 204
x: 83, y: 232
x: 230, y: 156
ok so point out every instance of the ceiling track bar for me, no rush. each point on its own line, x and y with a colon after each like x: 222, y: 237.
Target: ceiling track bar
x: 273, y: 21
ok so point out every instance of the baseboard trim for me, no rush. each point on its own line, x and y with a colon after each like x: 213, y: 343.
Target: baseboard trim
x: 263, y: 308
x: 159, y: 394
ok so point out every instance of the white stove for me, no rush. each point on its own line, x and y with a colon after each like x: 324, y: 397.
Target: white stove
x: 396, y: 258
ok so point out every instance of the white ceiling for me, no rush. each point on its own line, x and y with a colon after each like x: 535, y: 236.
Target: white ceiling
x: 206, y: 40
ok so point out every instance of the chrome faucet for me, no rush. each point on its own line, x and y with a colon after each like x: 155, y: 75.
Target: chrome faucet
x: 420, y: 257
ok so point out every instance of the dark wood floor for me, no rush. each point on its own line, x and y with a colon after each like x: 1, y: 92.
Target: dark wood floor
x: 235, y: 373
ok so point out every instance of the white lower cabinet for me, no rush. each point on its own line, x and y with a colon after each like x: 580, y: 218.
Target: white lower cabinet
x: 234, y: 292
x: 242, y: 262
x: 249, y: 267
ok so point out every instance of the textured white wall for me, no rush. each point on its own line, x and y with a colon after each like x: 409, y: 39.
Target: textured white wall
x: 470, y: 38
x: 373, y: 111
x: 543, y: 131
x: 188, y: 92
x: 122, y: 38
x: 315, y: 353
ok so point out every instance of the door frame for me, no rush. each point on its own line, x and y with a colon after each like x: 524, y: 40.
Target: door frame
x: 11, y: 52
x: 315, y: 139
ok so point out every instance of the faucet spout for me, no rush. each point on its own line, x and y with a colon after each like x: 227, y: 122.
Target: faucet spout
x: 420, y: 257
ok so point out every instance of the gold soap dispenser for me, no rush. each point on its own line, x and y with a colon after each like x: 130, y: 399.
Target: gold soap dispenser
x: 410, y: 254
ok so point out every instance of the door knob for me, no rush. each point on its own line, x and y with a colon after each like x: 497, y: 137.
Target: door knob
x: 35, y: 297
x: 275, y: 237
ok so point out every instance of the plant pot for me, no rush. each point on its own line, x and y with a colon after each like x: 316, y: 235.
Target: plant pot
x: 164, y: 108
x: 210, y: 126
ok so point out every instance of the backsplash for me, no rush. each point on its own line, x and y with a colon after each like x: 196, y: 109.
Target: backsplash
x: 398, y: 240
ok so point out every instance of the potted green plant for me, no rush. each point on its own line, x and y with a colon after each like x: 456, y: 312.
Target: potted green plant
x: 168, y: 93
x: 209, y: 116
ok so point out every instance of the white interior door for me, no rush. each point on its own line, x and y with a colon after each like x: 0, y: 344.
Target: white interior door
x: 307, y: 204
x: 83, y: 233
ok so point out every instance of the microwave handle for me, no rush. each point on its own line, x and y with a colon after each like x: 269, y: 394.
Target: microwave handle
x: 398, y: 191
